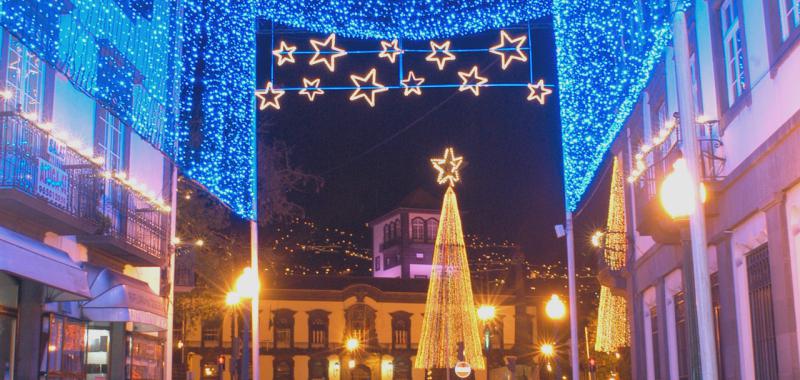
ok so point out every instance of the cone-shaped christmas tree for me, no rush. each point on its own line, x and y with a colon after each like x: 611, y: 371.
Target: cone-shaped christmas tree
x: 450, y: 318
x: 612, y: 317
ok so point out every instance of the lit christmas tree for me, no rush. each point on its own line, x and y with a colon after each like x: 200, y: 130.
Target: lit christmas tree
x: 450, y: 316
x: 612, y: 316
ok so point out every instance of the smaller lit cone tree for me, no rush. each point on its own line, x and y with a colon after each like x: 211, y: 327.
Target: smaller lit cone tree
x: 450, y: 316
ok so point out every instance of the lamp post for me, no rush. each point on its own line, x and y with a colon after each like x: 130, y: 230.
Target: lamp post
x: 556, y: 310
x: 247, y: 287
x: 232, y: 299
x: 548, y: 350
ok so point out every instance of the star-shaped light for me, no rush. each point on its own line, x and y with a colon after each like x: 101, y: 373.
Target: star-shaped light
x: 506, y: 55
x: 331, y: 53
x: 390, y: 50
x: 412, y: 83
x: 368, y: 94
x: 538, y: 91
x: 444, y: 49
x: 467, y: 83
x: 447, y: 167
x: 311, y: 88
x: 269, y: 97
x: 285, y: 53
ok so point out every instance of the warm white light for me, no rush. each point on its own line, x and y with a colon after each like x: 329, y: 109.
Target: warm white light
x: 285, y: 53
x: 232, y: 298
x: 547, y: 349
x: 555, y: 308
x: 597, y: 239
x: 486, y: 312
x: 247, y: 285
x: 370, y: 81
x: 411, y: 84
x: 678, y: 191
x: 352, y: 344
x: 351, y: 364
x: 510, y: 56
x: 472, y: 81
x: 538, y: 92
x: 444, y: 49
x: 328, y: 59
x: 390, y: 50
x: 269, y: 97
x: 199, y: 242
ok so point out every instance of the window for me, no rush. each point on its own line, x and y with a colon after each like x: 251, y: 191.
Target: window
x: 318, y: 329
x: 284, y: 369
x: 402, y: 368
x: 147, y: 357
x: 211, y: 332
x: 761, y: 314
x: 360, y: 322
x: 790, y: 17
x: 654, y: 335
x: 24, y: 79
x: 395, y: 230
x: 433, y: 228
x: 733, y: 50
x: 377, y: 263
x: 681, y: 334
x: 284, y: 329
x: 387, y: 232
x: 418, y: 229
x: 110, y: 140
x: 64, y: 351
x: 391, y: 261
x: 318, y: 368
x: 97, y: 357
x: 401, y: 330
x: 420, y: 255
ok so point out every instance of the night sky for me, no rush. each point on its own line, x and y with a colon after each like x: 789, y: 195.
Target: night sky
x: 370, y: 158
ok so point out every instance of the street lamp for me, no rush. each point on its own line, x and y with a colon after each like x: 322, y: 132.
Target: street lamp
x: 352, y: 344
x: 246, y: 287
x: 678, y: 191
x: 486, y: 314
x: 548, y: 351
x: 555, y: 308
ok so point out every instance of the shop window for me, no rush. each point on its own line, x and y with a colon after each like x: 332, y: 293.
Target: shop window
x: 24, y: 80
x: 147, y: 358
x: 8, y: 329
x: 64, y: 352
x: 418, y: 229
x: 284, y: 329
x: 97, y: 353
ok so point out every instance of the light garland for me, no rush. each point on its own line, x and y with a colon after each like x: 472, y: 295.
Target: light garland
x: 411, y: 84
x: 390, y: 50
x: 284, y: 53
x: 311, y: 88
x: 447, y: 167
x: 373, y: 88
x: 639, y: 159
x: 506, y: 57
x: 440, y: 53
x: 613, y: 331
x: 330, y: 54
x: 471, y: 81
x: 450, y: 316
x: 538, y: 91
x: 270, y: 97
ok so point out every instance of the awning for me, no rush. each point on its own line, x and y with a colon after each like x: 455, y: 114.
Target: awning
x: 27, y: 258
x: 120, y: 298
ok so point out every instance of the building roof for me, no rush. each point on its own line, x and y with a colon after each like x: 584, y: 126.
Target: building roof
x: 419, y: 200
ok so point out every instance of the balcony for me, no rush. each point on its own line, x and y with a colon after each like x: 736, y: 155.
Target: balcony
x: 651, y: 219
x: 47, y: 186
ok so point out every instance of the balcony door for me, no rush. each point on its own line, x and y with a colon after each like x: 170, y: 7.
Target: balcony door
x: 110, y: 141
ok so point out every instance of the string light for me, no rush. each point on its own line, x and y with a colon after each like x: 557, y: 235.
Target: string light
x: 390, y: 50
x: 507, y: 57
x: 311, y: 88
x: 471, y: 81
x: 639, y: 159
x: 538, y: 91
x: 440, y: 53
x: 329, y: 57
x: 285, y: 53
x: 373, y: 88
x: 412, y: 83
x: 447, y: 167
x: 269, y: 97
x: 606, y: 51
x: 450, y: 316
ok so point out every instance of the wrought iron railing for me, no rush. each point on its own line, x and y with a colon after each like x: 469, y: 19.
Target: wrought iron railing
x: 35, y: 163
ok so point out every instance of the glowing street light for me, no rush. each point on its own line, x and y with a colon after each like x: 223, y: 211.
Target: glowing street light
x: 677, y: 191
x: 486, y: 312
x: 232, y: 298
x: 247, y: 285
x: 597, y: 239
x: 352, y: 344
x: 555, y: 308
x: 548, y: 350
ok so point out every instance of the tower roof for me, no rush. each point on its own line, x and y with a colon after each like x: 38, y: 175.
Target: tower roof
x: 420, y: 199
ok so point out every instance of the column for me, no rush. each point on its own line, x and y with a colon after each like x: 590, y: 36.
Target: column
x: 116, y: 351
x: 29, y: 327
x: 729, y: 334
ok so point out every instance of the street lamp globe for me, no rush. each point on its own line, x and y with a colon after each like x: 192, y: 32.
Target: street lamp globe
x: 677, y: 191
x: 247, y: 284
x: 486, y: 312
x: 555, y: 308
x: 352, y: 344
x: 547, y: 349
x: 232, y: 298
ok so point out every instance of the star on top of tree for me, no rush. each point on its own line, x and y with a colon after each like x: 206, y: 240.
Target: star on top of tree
x: 447, y: 167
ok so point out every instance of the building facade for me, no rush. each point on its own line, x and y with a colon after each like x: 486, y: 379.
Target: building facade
x: 744, y: 63
x: 84, y: 200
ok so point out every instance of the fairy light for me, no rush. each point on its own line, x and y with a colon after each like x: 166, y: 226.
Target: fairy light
x: 269, y: 97
x: 447, y: 167
x: 284, y: 53
x: 471, y: 81
x: 331, y: 52
x: 373, y: 88
x: 538, y: 91
x: 390, y: 50
x: 506, y: 56
x: 450, y: 315
x: 311, y: 88
x: 411, y: 84
x: 640, y: 158
x: 440, y: 54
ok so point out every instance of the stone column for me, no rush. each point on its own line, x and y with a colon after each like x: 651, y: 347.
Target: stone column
x: 116, y: 351
x: 780, y: 267
x: 29, y: 330
x: 663, y: 332
x: 729, y: 333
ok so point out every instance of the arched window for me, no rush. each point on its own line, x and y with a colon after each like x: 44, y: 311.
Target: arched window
x: 318, y: 329
x: 387, y: 232
x: 284, y: 328
x: 284, y: 369
x: 432, y: 228
x: 418, y: 229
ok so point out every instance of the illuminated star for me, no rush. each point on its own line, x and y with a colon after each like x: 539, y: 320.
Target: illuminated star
x: 269, y: 97
x: 466, y: 82
x: 538, y: 91
x: 444, y: 49
x: 329, y: 58
x: 374, y: 87
x: 285, y: 53
x: 447, y: 167
x: 390, y: 50
x: 311, y: 88
x: 413, y: 88
x: 506, y: 55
